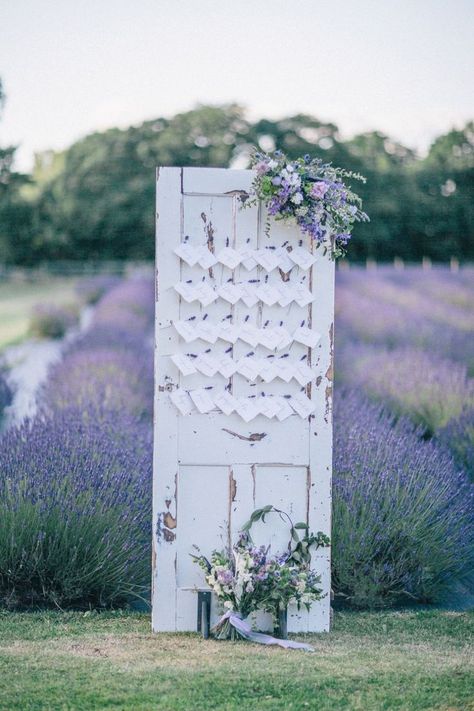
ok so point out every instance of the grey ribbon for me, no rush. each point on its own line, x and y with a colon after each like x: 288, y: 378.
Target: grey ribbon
x: 244, y: 629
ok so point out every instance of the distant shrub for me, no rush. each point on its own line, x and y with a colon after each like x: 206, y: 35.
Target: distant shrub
x: 91, y: 289
x: 130, y: 306
x: 75, y: 510
x: 52, y: 321
x: 429, y: 389
x: 403, y: 519
x: 100, y: 379
x: 458, y: 438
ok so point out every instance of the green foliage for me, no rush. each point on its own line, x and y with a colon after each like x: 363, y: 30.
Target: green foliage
x: 100, y: 203
x: 16, y: 214
x: 96, y: 199
x: 299, y: 545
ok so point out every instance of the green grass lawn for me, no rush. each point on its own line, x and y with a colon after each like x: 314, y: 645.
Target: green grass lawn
x: 17, y: 298
x: 390, y: 660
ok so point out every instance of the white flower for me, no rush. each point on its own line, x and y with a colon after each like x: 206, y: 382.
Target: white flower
x: 302, y: 211
x: 289, y: 168
x: 272, y: 164
x: 297, y: 198
x: 291, y: 178
x: 228, y: 605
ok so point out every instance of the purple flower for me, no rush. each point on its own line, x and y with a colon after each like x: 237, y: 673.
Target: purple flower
x: 225, y: 577
x: 319, y: 190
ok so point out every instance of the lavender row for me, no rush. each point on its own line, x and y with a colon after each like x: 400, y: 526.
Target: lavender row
x: 427, y: 310
x: 403, y: 516
x: 75, y: 482
x: 407, y: 339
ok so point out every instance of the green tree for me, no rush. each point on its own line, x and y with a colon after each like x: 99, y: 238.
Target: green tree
x: 16, y: 227
x: 98, y: 200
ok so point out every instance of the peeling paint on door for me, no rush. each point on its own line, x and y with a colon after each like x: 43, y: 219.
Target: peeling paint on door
x: 211, y: 471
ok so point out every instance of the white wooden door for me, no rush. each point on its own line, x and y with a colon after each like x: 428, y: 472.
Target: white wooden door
x: 211, y: 469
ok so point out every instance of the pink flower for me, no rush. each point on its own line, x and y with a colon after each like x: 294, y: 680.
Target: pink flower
x: 319, y: 190
x: 262, y: 167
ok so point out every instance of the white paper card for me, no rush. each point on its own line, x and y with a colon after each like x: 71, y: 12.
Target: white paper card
x: 181, y: 401
x: 286, y: 294
x: 183, y: 363
x: 248, y: 296
x: 268, y: 370
x: 267, y: 406
x: 230, y: 292
x: 206, y: 259
x: 247, y: 258
x: 247, y: 409
x: 268, y: 294
x: 302, y: 257
x: 202, y: 400
x: 205, y: 294
x: 284, y: 261
x: 226, y: 402
x: 206, y: 364
x: 208, y: 331
x: 229, y: 257
x: 249, y: 334
x: 284, y: 408
x: 302, y: 405
x: 269, y: 338
x: 284, y: 369
x: 303, y: 373
x: 302, y: 295
x: 187, y: 253
x: 226, y: 366
x: 266, y: 259
x: 228, y: 332
x: 285, y: 339
x: 307, y: 336
x: 186, y: 291
x: 185, y: 330
x: 248, y: 367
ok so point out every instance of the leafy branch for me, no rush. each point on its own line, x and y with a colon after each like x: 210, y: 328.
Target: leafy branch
x: 299, y: 545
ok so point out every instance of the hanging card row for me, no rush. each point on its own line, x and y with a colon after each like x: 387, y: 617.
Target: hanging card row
x: 250, y: 294
x: 250, y: 366
x: 269, y: 258
x: 273, y: 338
x: 204, y: 400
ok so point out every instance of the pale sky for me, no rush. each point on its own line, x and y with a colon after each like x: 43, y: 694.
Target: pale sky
x: 71, y: 67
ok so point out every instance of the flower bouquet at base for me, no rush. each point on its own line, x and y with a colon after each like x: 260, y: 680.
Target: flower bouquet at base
x: 247, y: 578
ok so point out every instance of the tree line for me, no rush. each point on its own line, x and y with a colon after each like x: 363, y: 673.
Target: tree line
x: 95, y: 200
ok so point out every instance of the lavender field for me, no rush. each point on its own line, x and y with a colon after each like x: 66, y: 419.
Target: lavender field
x: 404, y: 434
x: 75, y: 479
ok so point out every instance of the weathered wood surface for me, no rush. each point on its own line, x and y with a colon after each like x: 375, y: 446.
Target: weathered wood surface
x: 211, y: 471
